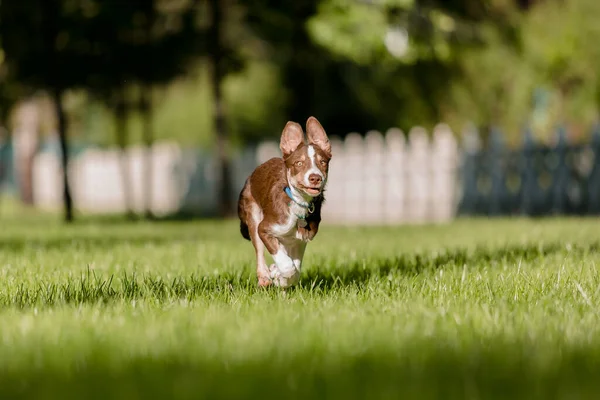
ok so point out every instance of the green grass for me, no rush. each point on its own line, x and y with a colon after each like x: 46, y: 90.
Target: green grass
x: 473, y: 309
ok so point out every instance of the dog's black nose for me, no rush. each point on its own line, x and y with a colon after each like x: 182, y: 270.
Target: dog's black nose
x: 315, y: 179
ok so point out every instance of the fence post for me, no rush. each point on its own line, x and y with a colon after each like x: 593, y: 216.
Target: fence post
x: 335, y: 198
x: 469, y: 194
x: 418, y: 175
x: 267, y: 150
x: 47, y: 182
x: 560, y: 174
x: 594, y: 177
x: 529, y: 177
x: 497, y: 171
x: 373, y: 170
x: 395, y: 176
x: 443, y: 169
x: 354, y: 180
x: 241, y: 167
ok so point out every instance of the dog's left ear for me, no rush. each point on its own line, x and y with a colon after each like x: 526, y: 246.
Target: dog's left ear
x: 317, y: 136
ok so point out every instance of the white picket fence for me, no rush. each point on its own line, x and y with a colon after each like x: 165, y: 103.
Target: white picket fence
x: 378, y: 179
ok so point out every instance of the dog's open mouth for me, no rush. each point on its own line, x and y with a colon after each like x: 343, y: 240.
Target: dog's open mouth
x: 312, y: 190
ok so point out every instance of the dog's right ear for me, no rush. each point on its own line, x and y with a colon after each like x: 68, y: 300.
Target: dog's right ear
x: 291, y: 137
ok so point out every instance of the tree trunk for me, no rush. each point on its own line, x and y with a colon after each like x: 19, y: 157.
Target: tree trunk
x: 216, y: 56
x: 148, y: 135
x: 3, y: 145
x: 122, y: 141
x: 25, y: 145
x: 62, y: 134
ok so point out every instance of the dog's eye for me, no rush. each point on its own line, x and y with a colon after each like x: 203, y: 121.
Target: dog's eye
x: 298, y: 163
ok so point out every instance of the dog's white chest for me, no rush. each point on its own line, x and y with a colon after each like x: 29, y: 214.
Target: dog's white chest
x: 289, y: 228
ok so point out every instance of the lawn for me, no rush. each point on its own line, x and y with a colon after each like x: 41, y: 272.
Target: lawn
x: 170, y: 310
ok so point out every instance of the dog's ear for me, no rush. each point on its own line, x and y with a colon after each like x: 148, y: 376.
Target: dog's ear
x: 317, y: 136
x: 291, y: 137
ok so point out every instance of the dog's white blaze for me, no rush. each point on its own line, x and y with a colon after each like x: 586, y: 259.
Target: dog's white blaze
x: 313, y: 167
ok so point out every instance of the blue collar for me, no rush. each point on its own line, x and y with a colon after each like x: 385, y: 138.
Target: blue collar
x: 309, y: 206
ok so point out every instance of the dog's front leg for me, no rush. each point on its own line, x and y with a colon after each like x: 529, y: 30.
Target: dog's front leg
x: 285, y: 273
x: 309, y: 232
x: 294, y: 249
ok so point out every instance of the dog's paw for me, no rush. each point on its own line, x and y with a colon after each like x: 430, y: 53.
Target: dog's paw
x: 282, y: 281
x: 264, y: 281
x: 273, y: 269
x: 265, y: 277
x: 306, y: 235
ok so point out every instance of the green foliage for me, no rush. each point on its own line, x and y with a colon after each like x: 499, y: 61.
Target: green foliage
x: 253, y: 98
x: 114, y: 310
x: 352, y: 30
x: 495, y: 88
x: 407, y: 30
x: 183, y: 111
x: 549, y: 80
x: 435, y: 46
x: 255, y: 102
x: 560, y: 45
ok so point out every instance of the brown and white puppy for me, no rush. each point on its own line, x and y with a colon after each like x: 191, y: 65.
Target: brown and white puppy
x: 280, y: 205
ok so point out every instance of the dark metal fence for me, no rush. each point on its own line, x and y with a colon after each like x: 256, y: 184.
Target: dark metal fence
x: 534, y: 180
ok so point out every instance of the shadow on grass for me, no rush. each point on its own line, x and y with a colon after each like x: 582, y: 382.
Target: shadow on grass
x: 428, y: 370
x: 90, y: 288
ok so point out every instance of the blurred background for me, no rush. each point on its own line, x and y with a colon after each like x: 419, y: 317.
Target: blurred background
x: 161, y: 108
